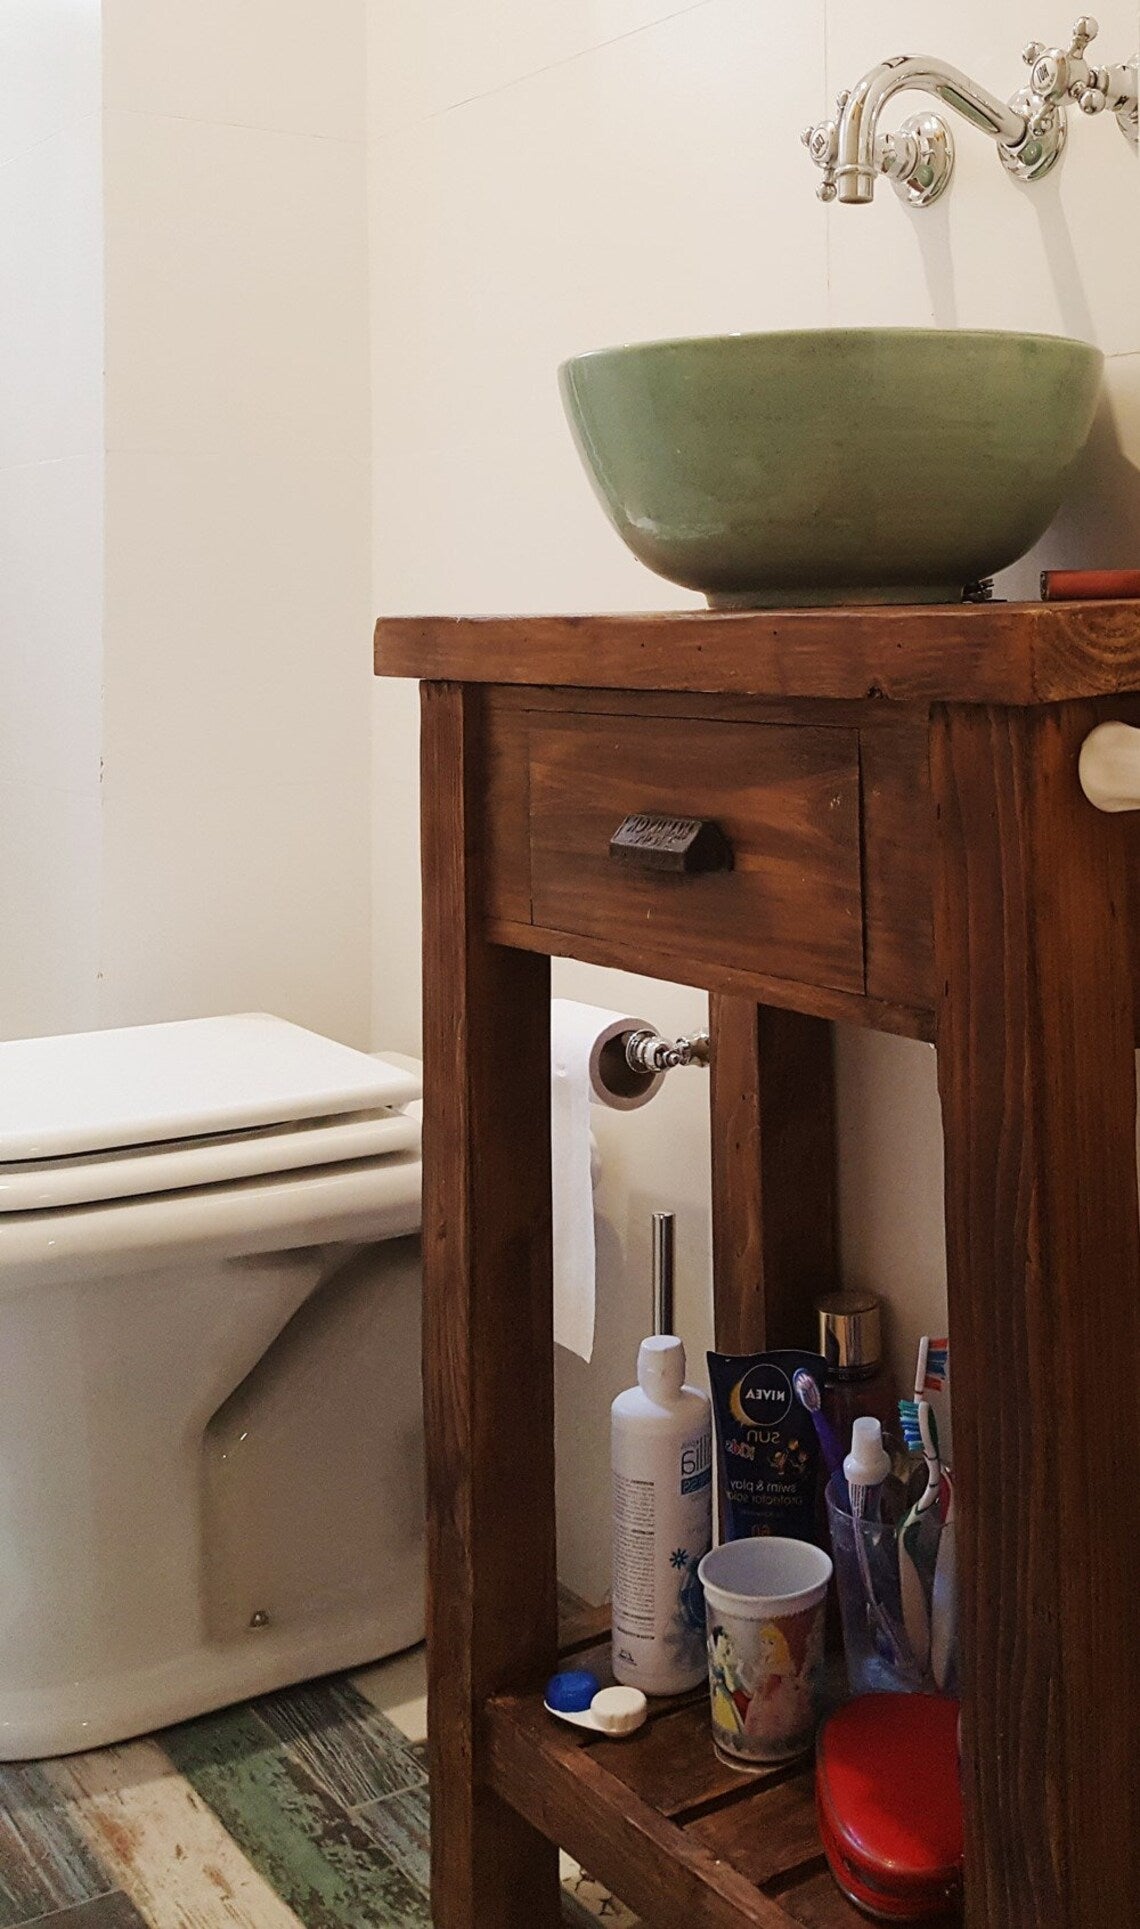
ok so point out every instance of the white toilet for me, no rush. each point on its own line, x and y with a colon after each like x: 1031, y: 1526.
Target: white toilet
x: 211, y: 1462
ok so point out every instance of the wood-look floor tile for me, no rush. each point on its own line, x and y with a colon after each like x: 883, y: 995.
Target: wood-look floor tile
x: 162, y: 1843
x: 115, y: 1911
x: 399, y: 1826
x: 312, y: 1851
x: 45, y: 1864
x: 354, y: 1752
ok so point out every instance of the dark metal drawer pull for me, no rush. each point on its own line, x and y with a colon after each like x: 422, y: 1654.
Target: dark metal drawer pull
x: 672, y: 844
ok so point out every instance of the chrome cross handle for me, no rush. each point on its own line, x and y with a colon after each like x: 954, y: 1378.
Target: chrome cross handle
x: 1057, y: 72
x: 822, y: 143
x: 1063, y: 74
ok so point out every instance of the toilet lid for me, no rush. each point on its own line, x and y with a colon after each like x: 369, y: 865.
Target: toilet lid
x: 151, y: 1086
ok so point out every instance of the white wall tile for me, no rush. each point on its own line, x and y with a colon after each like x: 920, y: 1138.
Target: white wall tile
x: 237, y: 739
x: 51, y: 300
x: 234, y: 898
x: 284, y: 64
x: 49, y: 69
x: 890, y: 1184
x: 424, y: 59
x: 625, y: 195
x: 49, y: 887
x: 236, y: 290
x: 1099, y: 524
x: 51, y: 571
x: 238, y: 634
x: 50, y: 552
x: 396, y: 1013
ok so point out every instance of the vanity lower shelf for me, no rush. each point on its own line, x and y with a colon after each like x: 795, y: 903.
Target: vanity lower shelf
x: 659, y: 1818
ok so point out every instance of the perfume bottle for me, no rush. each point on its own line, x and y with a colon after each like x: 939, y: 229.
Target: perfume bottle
x: 858, y: 1382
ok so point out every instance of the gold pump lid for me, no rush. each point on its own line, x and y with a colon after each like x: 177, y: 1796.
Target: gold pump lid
x: 851, y: 1333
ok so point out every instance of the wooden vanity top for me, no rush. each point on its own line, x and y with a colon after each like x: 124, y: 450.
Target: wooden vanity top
x: 991, y: 653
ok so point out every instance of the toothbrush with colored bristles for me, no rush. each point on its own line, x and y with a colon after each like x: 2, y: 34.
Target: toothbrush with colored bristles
x: 944, y: 1594
x: 920, y: 1431
x: 916, y: 1416
x: 933, y: 1367
x: 807, y: 1392
x: 944, y: 1601
x: 920, y: 1603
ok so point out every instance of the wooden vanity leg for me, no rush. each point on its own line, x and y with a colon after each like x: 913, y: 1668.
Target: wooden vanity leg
x: 1038, y: 1086
x: 773, y: 1166
x: 488, y: 1345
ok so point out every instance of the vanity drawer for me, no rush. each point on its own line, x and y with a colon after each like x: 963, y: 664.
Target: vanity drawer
x: 786, y: 799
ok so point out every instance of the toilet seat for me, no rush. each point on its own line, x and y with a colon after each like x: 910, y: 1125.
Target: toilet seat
x: 104, y: 1116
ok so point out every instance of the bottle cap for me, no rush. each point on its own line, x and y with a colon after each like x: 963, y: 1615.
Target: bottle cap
x: 619, y: 1711
x: 661, y: 1367
x: 868, y: 1463
x: 572, y: 1692
x: 851, y: 1333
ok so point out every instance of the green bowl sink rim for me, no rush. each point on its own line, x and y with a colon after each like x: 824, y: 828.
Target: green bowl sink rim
x: 887, y: 334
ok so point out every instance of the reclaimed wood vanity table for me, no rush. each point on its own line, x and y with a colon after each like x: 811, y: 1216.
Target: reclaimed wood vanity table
x: 910, y: 850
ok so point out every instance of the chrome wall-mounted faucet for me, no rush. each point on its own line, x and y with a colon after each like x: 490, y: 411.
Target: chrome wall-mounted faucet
x: 1030, y: 130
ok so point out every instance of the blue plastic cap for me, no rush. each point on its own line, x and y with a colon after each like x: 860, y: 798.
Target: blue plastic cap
x: 571, y: 1693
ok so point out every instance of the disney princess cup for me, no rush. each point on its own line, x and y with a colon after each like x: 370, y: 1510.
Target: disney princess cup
x: 764, y: 1603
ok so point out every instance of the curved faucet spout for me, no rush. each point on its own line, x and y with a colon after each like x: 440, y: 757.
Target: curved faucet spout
x: 858, y: 163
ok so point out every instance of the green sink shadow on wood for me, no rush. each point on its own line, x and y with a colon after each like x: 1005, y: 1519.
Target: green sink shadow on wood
x: 878, y: 465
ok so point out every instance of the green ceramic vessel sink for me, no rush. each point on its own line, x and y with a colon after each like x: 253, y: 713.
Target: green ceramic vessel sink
x: 833, y: 466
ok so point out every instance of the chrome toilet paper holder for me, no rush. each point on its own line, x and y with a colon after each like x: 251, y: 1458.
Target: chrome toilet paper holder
x: 637, y: 1059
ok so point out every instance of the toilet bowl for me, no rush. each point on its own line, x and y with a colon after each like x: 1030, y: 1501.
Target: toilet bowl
x: 211, y: 1474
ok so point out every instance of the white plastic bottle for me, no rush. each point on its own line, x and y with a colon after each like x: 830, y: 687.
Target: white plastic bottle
x: 662, y: 1518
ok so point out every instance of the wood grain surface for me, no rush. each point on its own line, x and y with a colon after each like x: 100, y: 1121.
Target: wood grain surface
x: 788, y: 1838
x: 662, y: 1870
x: 1011, y: 653
x: 488, y: 1343
x: 773, y: 1160
x: 787, y: 800
x: 787, y: 994
x: 898, y: 864
x: 1039, y: 1104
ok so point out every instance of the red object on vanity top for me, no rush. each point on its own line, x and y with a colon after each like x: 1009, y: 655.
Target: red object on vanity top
x: 890, y: 1805
x: 1079, y: 585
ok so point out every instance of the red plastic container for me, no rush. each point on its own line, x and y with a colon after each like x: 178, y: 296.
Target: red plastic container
x: 890, y: 1805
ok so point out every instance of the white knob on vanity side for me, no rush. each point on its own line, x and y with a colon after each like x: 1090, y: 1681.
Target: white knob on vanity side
x: 1110, y: 767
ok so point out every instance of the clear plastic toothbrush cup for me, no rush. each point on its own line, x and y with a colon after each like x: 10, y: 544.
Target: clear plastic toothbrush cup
x: 886, y: 1639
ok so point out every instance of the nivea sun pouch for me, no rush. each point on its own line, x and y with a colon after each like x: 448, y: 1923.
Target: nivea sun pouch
x: 768, y: 1451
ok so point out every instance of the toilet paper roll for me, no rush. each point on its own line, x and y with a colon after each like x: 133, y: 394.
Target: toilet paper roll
x: 582, y: 1073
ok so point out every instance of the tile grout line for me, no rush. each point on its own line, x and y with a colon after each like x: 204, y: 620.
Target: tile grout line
x: 397, y: 128
x: 377, y: 1801
x: 71, y: 1908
